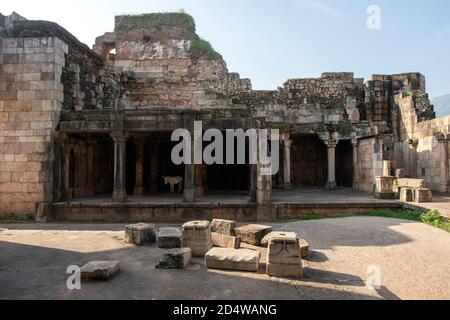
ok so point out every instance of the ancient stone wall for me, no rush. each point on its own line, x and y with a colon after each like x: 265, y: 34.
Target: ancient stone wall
x: 31, y: 97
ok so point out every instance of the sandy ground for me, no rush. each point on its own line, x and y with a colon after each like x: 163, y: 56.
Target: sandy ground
x: 413, y: 260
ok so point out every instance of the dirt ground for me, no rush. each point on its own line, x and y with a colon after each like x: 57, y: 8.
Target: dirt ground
x: 413, y: 260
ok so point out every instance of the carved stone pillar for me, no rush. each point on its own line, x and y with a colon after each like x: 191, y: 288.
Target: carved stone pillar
x: 443, y: 150
x: 413, y: 158
x: 331, y: 141
x: 287, y: 185
x: 355, y: 144
x: 120, y: 145
x: 139, y: 186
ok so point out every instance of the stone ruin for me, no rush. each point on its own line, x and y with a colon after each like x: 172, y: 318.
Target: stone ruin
x: 76, y: 122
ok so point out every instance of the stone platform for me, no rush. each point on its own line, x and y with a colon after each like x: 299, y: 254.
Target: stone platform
x: 236, y: 206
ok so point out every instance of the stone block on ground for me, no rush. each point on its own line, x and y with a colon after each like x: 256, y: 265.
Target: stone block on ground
x: 225, y: 227
x: 175, y: 259
x: 99, y: 270
x: 169, y: 238
x: 197, y: 236
x: 265, y: 241
x: 284, y: 248
x: 406, y: 195
x: 304, y: 248
x: 423, y: 195
x: 233, y: 259
x: 285, y: 270
x: 140, y: 234
x: 253, y: 233
x: 223, y: 241
x: 411, y: 183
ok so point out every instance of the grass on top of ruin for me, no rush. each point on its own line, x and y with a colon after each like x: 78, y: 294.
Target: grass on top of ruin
x: 433, y: 217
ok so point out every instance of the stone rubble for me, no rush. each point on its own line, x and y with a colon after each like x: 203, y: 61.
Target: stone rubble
x: 140, y: 234
x: 175, y: 259
x: 253, y: 233
x: 169, y: 238
x: 99, y: 270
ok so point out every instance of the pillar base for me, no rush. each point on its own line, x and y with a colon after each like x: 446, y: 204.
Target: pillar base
x: 287, y: 186
x: 119, y: 196
x: 189, y: 195
x: 443, y: 188
x: 331, y: 185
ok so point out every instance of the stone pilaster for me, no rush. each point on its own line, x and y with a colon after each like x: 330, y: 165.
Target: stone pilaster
x: 120, y: 145
x: 287, y: 185
x: 355, y: 145
x: 413, y: 158
x: 443, y: 150
x: 139, y: 186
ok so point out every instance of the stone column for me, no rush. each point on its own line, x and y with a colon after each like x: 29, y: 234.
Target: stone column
x: 139, y: 186
x: 443, y: 150
x: 355, y: 144
x: 90, y: 166
x: 413, y: 156
x: 253, y: 172
x: 59, y: 166
x: 287, y: 185
x: 120, y: 145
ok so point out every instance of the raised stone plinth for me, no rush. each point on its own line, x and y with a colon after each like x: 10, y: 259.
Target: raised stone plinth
x: 406, y: 195
x: 225, y: 227
x: 423, y: 195
x: 233, y: 259
x: 197, y: 236
x: 175, y: 259
x: 169, y: 238
x: 140, y: 234
x: 253, y: 233
x: 284, y: 256
x: 223, y: 241
x: 99, y: 270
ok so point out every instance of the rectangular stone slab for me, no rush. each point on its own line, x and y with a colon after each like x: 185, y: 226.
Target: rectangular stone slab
x: 175, y: 259
x: 223, y: 241
x: 99, y: 270
x: 253, y: 233
x: 169, y: 238
x: 224, y: 227
x: 285, y: 270
x: 411, y: 183
x: 233, y: 259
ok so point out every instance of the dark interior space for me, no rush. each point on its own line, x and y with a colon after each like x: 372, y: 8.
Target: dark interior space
x: 104, y: 166
x: 130, y: 165
x: 166, y: 167
x: 308, y: 161
x: 344, y: 164
x: 235, y: 177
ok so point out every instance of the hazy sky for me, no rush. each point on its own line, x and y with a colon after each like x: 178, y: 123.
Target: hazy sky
x: 270, y: 41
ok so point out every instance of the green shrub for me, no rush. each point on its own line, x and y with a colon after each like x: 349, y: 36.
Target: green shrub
x: 15, y: 217
x: 202, y: 48
x: 155, y: 21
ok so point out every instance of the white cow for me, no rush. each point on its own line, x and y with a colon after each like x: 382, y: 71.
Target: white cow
x: 173, y: 181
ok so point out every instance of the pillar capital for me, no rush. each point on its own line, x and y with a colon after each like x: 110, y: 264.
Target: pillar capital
x: 355, y: 142
x: 330, y: 139
x: 287, y: 143
x: 119, y: 136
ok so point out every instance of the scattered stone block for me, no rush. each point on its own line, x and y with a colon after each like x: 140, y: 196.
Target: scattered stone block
x: 423, y: 195
x: 284, y: 256
x: 233, y: 259
x: 385, y: 188
x: 169, y: 238
x: 99, y: 270
x: 411, y: 183
x: 140, y: 234
x: 175, y: 259
x: 197, y: 236
x: 304, y: 248
x: 406, y: 195
x: 225, y: 227
x: 265, y: 241
x: 253, y: 233
x: 223, y: 241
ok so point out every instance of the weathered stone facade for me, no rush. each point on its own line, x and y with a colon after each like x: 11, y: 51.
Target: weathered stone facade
x: 76, y: 122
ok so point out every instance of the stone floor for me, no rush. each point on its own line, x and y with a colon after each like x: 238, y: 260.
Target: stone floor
x: 441, y: 202
x: 413, y: 258
x: 297, y: 195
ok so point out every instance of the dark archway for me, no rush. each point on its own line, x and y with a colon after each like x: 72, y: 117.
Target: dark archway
x: 344, y: 164
x: 72, y: 170
x: 309, y: 161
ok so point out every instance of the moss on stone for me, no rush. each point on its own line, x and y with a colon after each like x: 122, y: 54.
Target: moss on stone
x: 201, y: 48
x: 155, y: 21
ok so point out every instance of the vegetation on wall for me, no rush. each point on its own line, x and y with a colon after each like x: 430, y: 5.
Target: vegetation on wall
x: 203, y: 48
x: 155, y: 21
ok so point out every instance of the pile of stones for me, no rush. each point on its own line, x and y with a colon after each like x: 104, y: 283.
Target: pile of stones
x: 220, y: 242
